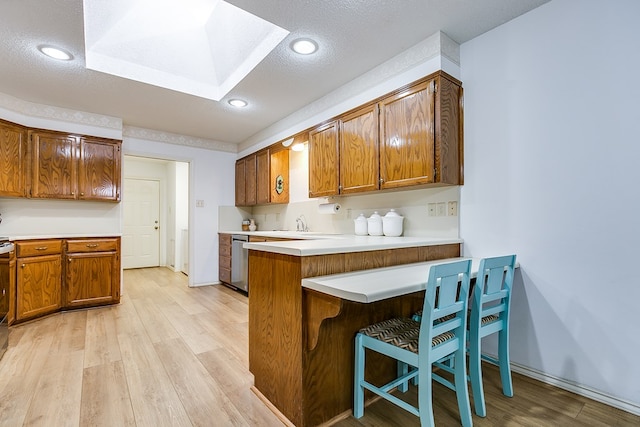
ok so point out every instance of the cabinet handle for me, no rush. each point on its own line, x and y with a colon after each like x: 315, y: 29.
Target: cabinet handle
x: 95, y: 245
x: 41, y: 248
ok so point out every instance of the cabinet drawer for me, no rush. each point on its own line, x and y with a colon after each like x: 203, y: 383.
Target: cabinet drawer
x: 224, y: 250
x: 225, y: 275
x: 38, y: 247
x: 224, y: 262
x: 92, y: 245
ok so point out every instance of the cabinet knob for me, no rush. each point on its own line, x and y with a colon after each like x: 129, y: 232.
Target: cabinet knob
x: 23, y: 265
x: 73, y: 193
x: 82, y: 194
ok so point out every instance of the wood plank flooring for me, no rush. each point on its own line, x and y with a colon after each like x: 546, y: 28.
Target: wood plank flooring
x: 169, y: 355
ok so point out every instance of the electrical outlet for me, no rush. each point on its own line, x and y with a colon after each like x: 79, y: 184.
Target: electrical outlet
x: 431, y: 209
x: 441, y: 209
x: 452, y: 208
x: 199, y: 203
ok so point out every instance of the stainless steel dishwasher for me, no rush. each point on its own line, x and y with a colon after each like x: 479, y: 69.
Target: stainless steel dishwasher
x: 239, y: 262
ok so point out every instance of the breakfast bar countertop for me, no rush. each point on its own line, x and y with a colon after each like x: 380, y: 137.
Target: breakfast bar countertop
x: 323, y: 244
x: 380, y: 283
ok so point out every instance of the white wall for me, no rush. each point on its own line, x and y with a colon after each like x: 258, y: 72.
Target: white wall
x: 551, y: 170
x: 209, y: 173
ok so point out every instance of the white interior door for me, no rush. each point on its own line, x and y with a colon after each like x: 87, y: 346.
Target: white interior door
x: 141, y: 237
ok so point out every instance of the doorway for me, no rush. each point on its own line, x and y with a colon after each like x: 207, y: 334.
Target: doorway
x: 155, y: 213
x: 141, y: 231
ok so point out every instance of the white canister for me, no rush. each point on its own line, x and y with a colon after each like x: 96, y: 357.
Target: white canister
x: 392, y: 224
x: 361, y: 225
x: 374, y: 224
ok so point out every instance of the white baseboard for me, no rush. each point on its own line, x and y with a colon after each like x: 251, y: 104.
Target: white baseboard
x: 579, y: 389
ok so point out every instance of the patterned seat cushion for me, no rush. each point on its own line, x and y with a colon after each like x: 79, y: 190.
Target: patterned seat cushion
x: 401, y: 332
x: 485, y: 320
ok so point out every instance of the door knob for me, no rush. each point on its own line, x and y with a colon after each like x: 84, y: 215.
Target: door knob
x: 156, y: 227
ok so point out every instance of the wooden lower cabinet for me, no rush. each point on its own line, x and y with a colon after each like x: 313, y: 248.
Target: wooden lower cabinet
x: 301, y: 349
x: 38, y: 286
x: 224, y: 258
x: 92, y: 272
x: 40, y: 283
x: 8, y: 286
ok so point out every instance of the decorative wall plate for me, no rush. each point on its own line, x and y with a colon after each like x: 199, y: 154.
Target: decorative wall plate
x: 279, y: 184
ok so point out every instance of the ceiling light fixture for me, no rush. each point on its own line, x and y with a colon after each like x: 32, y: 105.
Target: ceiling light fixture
x: 298, y: 146
x: 55, y: 53
x: 238, y: 103
x: 287, y: 143
x: 304, y: 46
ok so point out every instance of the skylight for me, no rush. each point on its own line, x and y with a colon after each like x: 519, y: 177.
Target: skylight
x: 200, y: 47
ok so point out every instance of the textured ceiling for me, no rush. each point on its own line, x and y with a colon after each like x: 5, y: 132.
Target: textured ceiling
x: 354, y: 36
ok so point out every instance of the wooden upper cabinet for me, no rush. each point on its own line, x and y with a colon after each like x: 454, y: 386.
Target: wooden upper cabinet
x: 246, y: 181
x: 359, y: 151
x: 421, y: 135
x: 263, y: 177
x: 279, y: 176
x: 54, y: 165
x: 241, y: 194
x: 250, y: 179
x: 13, y: 160
x: 323, y: 160
x: 99, y: 169
x: 74, y: 167
x: 407, y: 137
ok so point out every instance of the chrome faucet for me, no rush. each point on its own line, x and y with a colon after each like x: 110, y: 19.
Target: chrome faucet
x: 301, y: 224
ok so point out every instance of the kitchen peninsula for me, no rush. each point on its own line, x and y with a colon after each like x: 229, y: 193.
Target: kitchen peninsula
x: 301, y: 340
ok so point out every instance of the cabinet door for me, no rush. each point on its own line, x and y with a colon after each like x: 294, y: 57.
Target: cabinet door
x: 407, y: 137
x: 8, y: 286
x: 13, y: 160
x: 99, y: 169
x: 359, y: 151
x: 92, y: 279
x: 323, y: 160
x: 54, y: 163
x: 250, y: 179
x: 241, y: 195
x: 263, y: 178
x: 39, y: 281
x: 279, y: 176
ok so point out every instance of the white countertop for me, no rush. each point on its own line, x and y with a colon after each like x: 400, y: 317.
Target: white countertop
x: 324, y: 244
x: 380, y: 283
x: 64, y: 236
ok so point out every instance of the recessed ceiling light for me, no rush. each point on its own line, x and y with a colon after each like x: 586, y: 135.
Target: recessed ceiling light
x: 304, y: 46
x: 55, y: 53
x: 238, y: 103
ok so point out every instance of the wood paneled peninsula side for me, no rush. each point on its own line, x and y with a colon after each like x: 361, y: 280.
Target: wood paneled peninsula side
x: 300, y: 340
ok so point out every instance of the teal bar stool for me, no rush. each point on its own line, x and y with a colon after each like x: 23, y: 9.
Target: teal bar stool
x: 490, y: 306
x: 418, y: 345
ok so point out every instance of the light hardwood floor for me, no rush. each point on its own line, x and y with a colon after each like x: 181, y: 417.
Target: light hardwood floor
x: 169, y: 355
